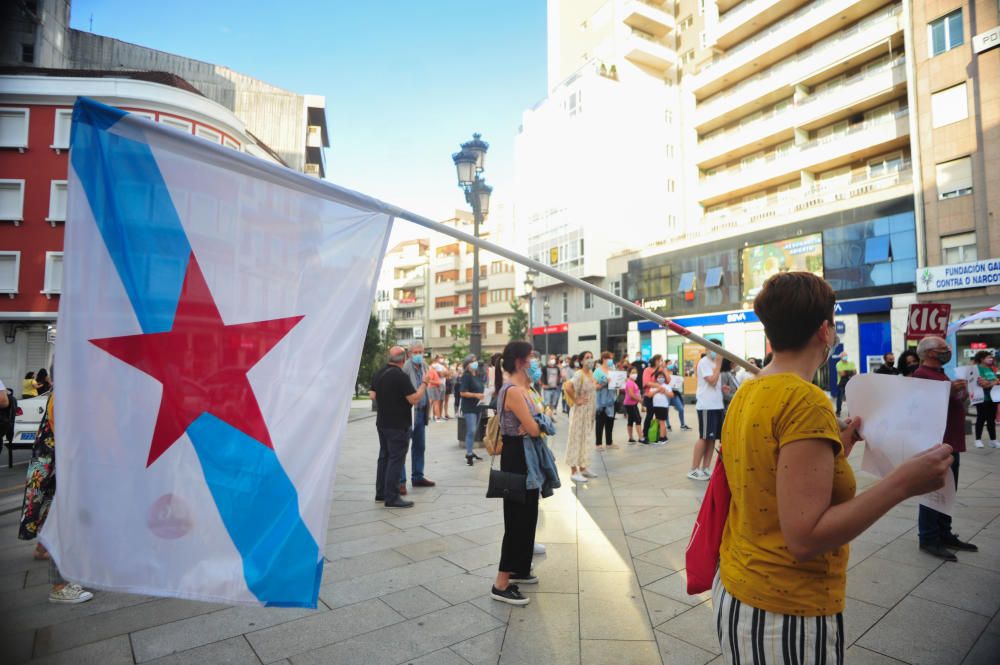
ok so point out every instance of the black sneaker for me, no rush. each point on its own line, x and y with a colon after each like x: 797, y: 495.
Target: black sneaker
x: 939, y: 550
x: 523, y: 579
x: 510, y: 595
x: 685, y: 428
x: 952, y: 542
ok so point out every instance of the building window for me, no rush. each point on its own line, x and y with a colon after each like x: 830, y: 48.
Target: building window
x: 686, y: 283
x: 10, y: 270
x: 669, y: 150
x: 229, y: 143
x: 28, y: 54
x: 53, y: 273
x: 60, y: 135
x: 176, y: 123
x: 208, y: 134
x: 713, y: 277
x: 960, y: 248
x: 588, y: 300
x: 671, y: 185
x: 565, y: 306
x: 12, y: 201
x: 616, y: 288
x: 57, y: 201
x: 498, y: 327
x: 885, y: 165
x: 949, y: 105
x: 445, y: 302
x: 671, y: 221
x: 13, y: 128
x: 442, y: 332
x: 668, y: 116
x: 945, y: 33
x: 954, y: 178
x: 703, y: 39
x: 446, y: 276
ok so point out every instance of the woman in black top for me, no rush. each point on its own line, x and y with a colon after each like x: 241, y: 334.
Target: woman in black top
x: 42, y: 379
x: 471, y: 389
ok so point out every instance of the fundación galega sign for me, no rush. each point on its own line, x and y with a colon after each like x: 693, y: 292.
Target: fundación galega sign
x: 973, y: 275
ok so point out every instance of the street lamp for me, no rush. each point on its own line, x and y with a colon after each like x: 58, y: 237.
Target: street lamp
x: 529, y: 287
x: 468, y: 167
x: 545, y: 322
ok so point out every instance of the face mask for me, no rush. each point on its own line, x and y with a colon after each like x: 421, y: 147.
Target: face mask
x: 944, y: 356
x: 474, y: 365
x: 418, y: 358
x: 890, y: 363
x: 552, y: 363
x: 534, y: 371
x: 633, y: 376
x: 661, y: 380
x: 714, y: 355
x: 829, y: 349
x: 988, y: 361
x: 588, y: 363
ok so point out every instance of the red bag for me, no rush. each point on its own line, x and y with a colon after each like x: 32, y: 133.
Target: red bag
x: 702, y: 555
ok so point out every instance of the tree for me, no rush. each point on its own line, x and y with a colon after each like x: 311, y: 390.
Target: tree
x: 517, y: 324
x: 389, y: 337
x: 371, y: 356
x: 460, y: 347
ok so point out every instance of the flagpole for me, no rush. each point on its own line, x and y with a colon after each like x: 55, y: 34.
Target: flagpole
x: 218, y: 154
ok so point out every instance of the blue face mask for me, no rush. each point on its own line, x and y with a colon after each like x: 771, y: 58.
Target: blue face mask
x: 714, y: 355
x: 418, y: 358
x: 474, y: 365
x: 534, y: 371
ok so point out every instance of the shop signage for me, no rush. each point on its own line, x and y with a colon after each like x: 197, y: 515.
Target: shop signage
x: 984, y: 41
x: 958, y: 276
x: 927, y: 319
x: 551, y: 330
x: 843, y: 308
x: 841, y: 328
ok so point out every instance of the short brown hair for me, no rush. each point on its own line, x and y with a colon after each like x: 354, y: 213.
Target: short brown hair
x: 792, y: 306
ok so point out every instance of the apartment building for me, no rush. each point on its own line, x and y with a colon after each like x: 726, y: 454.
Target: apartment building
x: 449, y: 287
x: 401, y: 295
x: 957, y: 72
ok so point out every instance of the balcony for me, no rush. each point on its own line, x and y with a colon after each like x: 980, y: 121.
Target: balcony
x: 862, y: 140
x: 840, y: 51
x: 864, y: 90
x: 645, y: 49
x: 408, y: 303
x: 799, y: 205
x: 798, y: 30
x: 746, y: 18
x: 649, y: 16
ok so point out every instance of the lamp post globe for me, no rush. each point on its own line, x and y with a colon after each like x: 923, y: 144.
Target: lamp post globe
x: 468, y: 167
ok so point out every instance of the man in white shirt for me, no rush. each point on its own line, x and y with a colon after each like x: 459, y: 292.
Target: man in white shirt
x: 709, y: 407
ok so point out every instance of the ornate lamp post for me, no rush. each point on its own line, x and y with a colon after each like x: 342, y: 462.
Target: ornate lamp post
x: 469, y: 167
x: 529, y: 287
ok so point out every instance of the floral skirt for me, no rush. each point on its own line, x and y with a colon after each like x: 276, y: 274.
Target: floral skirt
x: 39, y: 489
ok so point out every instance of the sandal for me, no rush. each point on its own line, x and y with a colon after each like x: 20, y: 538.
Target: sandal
x: 40, y: 553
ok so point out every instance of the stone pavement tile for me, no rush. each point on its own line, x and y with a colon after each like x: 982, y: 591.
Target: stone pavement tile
x: 475, y: 556
x: 557, y: 527
x: 888, y: 529
x: 675, y: 651
x: 488, y: 534
x: 675, y: 587
x: 639, y: 546
x: 349, y: 568
x: 620, y: 652
x: 653, y: 516
x: 661, y: 608
x: 612, y: 607
x: 234, y: 651
x: 16, y: 647
x: 445, y: 514
x: 696, y: 626
x: 546, y: 631
x: 18, y: 599
x: 385, y: 582
x: 405, y: 641
x: 113, y: 651
x: 598, y: 517
x: 669, y: 531
x: 483, y: 649
x: 467, y: 523
x: 668, y: 556
x: 371, y: 544
x: 643, y: 501
x: 46, y: 614
x: 594, y: 497
x: 358, y: 531
x: 965, y: 587
x: 647, y: 573
x: 442, y: 657
x: 860, y: 656
x: 597, y: 550
x: 319, y: 630
x: 428, y: 549
x: 904, y: 550
x: 194, y: 632
x: 361, y: 517
x: 499, y: 610
x: 861, y: 549
x: 12, y: 581
x: 882, y: 582
x: 460, y: 588
x: 859, y: 617
x: 344, y: 507
x: 922, y: 632
x: 413, y: 602
x: 987, y: 557
x: 68, y: 634
x: 985, y: 651
x: 556, y: 571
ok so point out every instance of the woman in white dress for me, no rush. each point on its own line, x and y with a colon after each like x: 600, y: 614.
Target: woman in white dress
x: 582, y: 391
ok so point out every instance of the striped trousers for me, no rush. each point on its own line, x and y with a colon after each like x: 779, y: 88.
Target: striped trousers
x: 750, y: 636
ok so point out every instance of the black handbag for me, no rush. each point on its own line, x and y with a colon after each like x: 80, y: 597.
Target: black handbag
x: 507, y: 485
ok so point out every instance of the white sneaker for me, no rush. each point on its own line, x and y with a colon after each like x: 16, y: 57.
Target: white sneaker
x: 979, y: 444
x: 578, y: 478
x: 589, y: 474
x: 539, y: 549
x: 994, y: 444
x: 694, y: 474
x: 70, y: 594
x: 705, y: 474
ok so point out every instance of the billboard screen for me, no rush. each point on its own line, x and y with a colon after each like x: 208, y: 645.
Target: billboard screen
x: 804, y: 253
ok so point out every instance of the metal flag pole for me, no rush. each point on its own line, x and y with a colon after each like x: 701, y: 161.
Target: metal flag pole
x: 214, y: 153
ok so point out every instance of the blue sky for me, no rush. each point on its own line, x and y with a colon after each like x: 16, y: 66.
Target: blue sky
x: 405, y: 82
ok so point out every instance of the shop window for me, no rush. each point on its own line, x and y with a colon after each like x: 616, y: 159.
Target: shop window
x: 616, y: 288
x: 10, y: 270
x: 949, y: 105
x: 53, y: 273
x: 954, y: 178
x: 14, y: 128
x: 877, y: 249
x: 57, y: 202
x: 713, y: 278
x: 945, y: 33
x: 959, y: 248
x: 12, y: 201
x: 687, y: 283
x: 60, y: 134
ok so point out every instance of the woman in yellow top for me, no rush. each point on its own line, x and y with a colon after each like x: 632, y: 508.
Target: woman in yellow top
x: 779, y: 592
x: 30, y: 387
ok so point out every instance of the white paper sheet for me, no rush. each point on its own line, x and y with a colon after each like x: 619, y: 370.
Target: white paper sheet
x: 616, y: 379
x: 901, y: 417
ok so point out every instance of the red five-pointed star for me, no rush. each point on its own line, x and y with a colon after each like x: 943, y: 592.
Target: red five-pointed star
x: 202, y: 364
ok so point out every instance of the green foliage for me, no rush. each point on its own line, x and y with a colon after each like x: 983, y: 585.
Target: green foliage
x: 372, y: 355
x: 517, y: 324
x: 389, y: 337
x: 460, y: 345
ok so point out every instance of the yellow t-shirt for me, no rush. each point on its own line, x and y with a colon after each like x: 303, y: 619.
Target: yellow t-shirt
x: 756, y: 567
x: 28, y: 388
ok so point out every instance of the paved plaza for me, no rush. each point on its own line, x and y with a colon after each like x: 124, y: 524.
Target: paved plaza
x: 411, y: 586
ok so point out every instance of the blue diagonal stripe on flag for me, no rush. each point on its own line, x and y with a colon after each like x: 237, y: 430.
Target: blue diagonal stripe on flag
x: 255, y: 498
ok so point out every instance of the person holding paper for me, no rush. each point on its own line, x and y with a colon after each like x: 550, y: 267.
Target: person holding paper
x: 782, y: 578
x: 933, y: 527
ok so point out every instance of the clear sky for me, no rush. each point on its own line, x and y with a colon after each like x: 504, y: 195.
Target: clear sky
x: 405, y: 81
